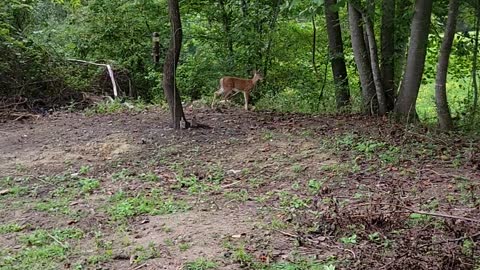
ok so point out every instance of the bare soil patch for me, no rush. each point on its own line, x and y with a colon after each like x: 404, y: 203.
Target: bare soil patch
x: 254, y: 190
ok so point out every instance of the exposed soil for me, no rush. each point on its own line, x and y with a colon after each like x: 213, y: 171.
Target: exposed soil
x: 338, y: 189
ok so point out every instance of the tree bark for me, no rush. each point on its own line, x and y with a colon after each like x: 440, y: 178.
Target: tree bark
x: 362, y: 60
x: 405, y: 105
x: 387, y: 41
x: 335, y: 45
x: 377, y: 77
x: 169, y: 68
x: 443, y: 111
x: 228, y: 35
x: 402, y: 26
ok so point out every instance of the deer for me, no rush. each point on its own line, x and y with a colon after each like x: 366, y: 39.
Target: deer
x: 233, y: 85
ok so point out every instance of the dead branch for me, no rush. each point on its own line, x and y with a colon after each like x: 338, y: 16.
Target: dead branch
x: 109, y: 69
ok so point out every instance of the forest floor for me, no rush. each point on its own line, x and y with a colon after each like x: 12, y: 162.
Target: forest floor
x: 255, y: 190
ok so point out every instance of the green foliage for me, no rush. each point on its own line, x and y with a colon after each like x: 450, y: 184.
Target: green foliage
x: 144, y: 203
x: 200, y: 264
x: 41, y: 249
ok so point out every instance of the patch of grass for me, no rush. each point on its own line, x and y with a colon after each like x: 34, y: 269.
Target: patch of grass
x: 88, y: 185
x: 292, y: 201
x: 115, y: 106
x: 200, y: 264
x: 122, y: 175
x: 314, y: 186
x: 240, y: 196
x: 184, y: 246
x: 10, y: 228
x: 143, y: 254
x: 267, y: 136
x: 60, y: 205
x: 349, y: 240
x: 149, y: 177
x: 297, y: 168
x: 84, y: 170
x: 42, y: 249
x: 152, y: 203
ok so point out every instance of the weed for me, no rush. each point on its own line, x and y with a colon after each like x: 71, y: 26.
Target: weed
x: 314, y: 186
x: 241, y: 256
x: 267, y: 136
x: 241, y: 195
x: 124, y: 174
x: 10, y: 228
x: 297, y: 168
x: 84, y: 170
x: 184, y: 246
x: 152, y: 204
x: 149, y: 177
x: 115, y: 106
x: 88, y: 185
x: 150, y: 252
x: 200, y: 264
x: 42, y: 249
x: 292, y: 201
x: 349, y: 240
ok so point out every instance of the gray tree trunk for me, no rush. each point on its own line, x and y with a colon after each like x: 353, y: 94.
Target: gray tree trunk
x: 362, y: 60
x: 407, y: 97
x: 443, y: 111
x: 377, y: 77
x: 335, y: 45
x: 171, y: 59
x: 387, y: 41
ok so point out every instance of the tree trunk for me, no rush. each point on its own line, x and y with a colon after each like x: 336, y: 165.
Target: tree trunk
x: 388, y: 50
x: 377, y: 77
x: 405, y: 105
x: 362, y: 60
x: 169, y: 68
x: 335, y: 45
x: 402, y: 26
x: 228, y: 35
x: 475, y: 62
x: 443, y: 111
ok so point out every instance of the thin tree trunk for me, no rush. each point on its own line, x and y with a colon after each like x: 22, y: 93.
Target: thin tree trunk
x: 403, y: 22
x: 335, y: 45
x: 377, y: 78
x: 407, y: 98
x: 443, y: 111
x: 228, y: 36
x: 475, y: 62
x: 169, y: 68
x: 314, y: 45
x: 387, y: 51
x: 362, y: 60
x: 273, y: 26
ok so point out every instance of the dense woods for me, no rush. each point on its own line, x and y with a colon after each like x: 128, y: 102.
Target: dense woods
x: 384, y: 56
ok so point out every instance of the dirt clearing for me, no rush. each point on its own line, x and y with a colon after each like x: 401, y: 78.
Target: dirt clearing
x: 253, y: 190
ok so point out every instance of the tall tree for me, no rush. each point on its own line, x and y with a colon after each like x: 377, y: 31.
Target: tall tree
x: 407, y: 97
x: 377, y: 77
x: 362, y: 60
x: 170, y: 66
x: 387, y: 41
x: 443, y: 111
x: 335, y: 45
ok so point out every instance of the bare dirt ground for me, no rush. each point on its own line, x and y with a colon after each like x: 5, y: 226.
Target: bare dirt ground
x: 255, y: 190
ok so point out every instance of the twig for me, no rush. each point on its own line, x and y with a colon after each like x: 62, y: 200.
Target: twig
x: 109, y: 69
x: 435, y: 214
x: 316, y: 242
x: 231, y: 184
x: 58, y: 241
x: 140, y: 266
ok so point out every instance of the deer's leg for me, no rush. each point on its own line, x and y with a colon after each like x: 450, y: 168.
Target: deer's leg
x: 246, y: 96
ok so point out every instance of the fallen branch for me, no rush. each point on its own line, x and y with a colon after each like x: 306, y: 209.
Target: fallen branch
x: 435, y: 214
x: 109, y: 69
